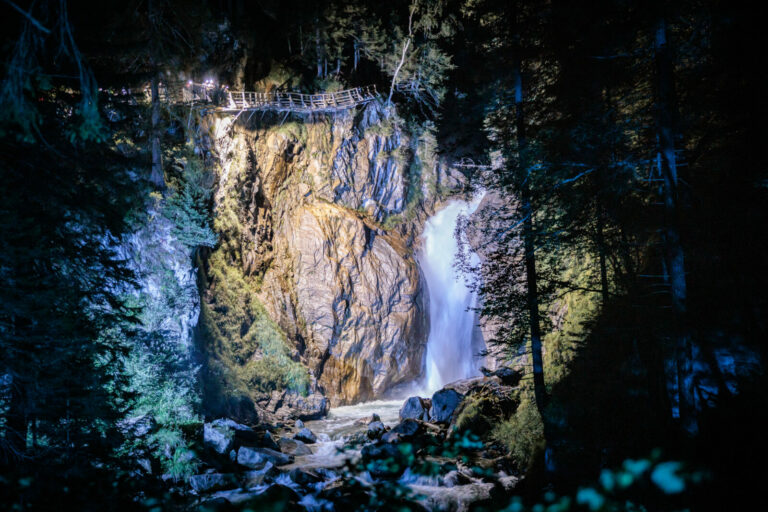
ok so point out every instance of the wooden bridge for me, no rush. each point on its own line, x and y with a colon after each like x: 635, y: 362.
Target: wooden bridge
x: 238, y: 101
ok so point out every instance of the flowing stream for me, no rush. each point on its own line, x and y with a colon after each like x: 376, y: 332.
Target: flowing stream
x: 450, y: 352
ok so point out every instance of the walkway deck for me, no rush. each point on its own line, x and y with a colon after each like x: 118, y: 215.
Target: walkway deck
x: 238, y: 101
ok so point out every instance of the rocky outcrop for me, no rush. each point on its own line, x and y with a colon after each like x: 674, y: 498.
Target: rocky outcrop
x: 303, y: 207
x: 166, y: 277
x: 359, y: 299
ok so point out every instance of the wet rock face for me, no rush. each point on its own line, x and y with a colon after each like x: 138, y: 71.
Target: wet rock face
x: 309, y: 197
x: 359, y: 298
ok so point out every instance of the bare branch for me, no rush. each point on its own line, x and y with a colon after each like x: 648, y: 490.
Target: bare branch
x: 29, y: 17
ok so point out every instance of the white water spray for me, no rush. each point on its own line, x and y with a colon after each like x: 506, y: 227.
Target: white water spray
x: 450, y: 355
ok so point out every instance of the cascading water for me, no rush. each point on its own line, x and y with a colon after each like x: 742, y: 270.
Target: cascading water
x: 450, y: 354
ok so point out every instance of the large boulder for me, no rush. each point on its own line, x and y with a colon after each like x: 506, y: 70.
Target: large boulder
x: 416, y: 408
x: 224, y: 434
x: 293, y: 447
x: 285, y: 406
x: 507, y: 376
x: 257, y: 458
x: 305, y: 435
x: 305, y: 477
x: 220, y: 434
x: 444, y: 404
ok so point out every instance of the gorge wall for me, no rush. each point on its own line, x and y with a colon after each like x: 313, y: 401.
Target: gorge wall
x: 316, y: 219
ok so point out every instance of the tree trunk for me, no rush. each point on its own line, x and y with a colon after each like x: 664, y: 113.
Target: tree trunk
x: 532, y: 293
x: 157, y: 178
x: 600, y: 241
x: 672, y: 245
x: 318, y: 50
x: 403, y: 55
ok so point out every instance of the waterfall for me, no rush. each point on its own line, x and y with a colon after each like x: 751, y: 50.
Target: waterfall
x: 450, y: 352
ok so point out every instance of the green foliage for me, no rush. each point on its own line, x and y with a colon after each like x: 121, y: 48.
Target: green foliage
x: 172, y: 448
x: 639, y: 484
x: 574, y: 313
x: 295, y: 130
x: 329, y: 84
x: 522, y: 434
x: 189, y: 203
x: 250, y: 349
x: 388, y: 462
x: 162, y: 382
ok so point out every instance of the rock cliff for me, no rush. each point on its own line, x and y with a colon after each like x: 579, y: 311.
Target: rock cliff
x: 319, y: 213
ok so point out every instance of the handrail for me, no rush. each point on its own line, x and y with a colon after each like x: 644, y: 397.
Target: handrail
x: 293, y: 101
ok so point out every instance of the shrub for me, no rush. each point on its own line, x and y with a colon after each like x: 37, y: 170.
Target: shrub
x: 522, y: 434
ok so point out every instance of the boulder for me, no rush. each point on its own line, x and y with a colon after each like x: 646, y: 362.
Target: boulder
x: 212, y: 482
x: 304, y: 477
x: 257, y: 458
x: 415, y: 408
x: 507, y: 376
x: 368, y: 419
x: 306, y: 436
x: 311, y: 407
x: 299, y: 424
x: 444, y: 404
x: 376, y: 429
x: 293, y: 447
x: 220, y: 439
x: 220, y: 434
x: 258, y: 476
x: 373, y: 451
x: 268, y: 440
x: 406, y: 429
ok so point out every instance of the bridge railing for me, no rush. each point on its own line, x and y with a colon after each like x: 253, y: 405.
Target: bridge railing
x: 294, y: 101
x: 238, y: 100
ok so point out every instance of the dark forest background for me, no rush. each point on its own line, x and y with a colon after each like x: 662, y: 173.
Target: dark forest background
x: 623, y: 142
